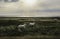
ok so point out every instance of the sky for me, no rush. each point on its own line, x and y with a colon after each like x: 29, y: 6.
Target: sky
x: 29, y: 8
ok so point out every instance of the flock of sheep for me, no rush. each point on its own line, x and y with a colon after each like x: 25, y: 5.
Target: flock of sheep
x: 24, y: 25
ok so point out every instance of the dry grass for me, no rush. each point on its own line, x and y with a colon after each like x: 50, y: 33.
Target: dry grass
x: 31, y: 37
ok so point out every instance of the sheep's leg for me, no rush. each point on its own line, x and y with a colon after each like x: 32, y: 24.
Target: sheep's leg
x: 19, y: 30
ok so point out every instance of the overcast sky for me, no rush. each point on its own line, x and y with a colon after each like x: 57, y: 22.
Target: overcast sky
x: 42, y: 8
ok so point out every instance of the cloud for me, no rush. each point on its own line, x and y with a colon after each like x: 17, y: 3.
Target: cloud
x: 43, y: 8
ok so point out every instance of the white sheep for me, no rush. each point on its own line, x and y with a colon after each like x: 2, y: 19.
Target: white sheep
x: 21, y: 26
x: 32, y: 23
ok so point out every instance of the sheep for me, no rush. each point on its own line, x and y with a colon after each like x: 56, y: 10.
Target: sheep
x: 20, y: 27
x: 32, y: 23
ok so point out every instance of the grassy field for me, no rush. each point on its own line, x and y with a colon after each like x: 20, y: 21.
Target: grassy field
x: 43, y: 28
